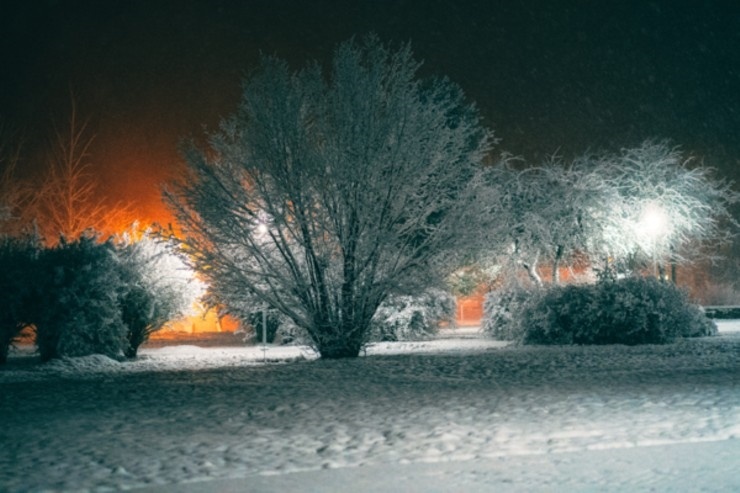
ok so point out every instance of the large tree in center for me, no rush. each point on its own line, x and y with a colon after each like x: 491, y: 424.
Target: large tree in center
x: 325, y: 193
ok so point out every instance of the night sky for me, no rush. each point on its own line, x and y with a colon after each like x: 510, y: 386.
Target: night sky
x: 548, y: 75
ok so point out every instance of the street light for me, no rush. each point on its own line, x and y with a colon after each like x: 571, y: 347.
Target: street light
x: 653, y: 225
x: 264, y: 332
x: 261, y: 233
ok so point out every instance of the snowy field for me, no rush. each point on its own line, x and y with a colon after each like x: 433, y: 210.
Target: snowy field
x: 445, y: 415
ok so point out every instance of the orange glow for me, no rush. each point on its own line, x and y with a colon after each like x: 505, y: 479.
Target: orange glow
x: 469, y: 310
x: 205, y: 321
x: 136, y: 163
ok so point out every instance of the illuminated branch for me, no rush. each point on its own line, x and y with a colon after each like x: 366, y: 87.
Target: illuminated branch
x: 68, y: 204
x: 668, y: 207
x: 647, y: 203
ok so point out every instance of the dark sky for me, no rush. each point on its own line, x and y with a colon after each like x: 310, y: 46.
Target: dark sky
x: 547, y: 75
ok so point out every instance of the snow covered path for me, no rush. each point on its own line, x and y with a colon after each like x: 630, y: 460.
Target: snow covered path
x: 701, y: 466
x: 97, y: 424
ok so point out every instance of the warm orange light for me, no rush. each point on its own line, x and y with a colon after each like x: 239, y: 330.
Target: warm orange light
x: 203, y: 321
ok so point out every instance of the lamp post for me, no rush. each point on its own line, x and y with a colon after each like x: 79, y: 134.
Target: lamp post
x: 261, y: 232
x: 264, y: 333
x: 653, y: 224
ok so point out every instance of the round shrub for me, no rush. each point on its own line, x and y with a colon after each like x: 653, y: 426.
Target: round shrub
x: 626, y: 311
x: 80, y: 313
x: 408, y: 318
x: 559, y: 315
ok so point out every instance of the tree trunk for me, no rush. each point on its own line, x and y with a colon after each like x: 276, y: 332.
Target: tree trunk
x: 556, y: 265
x: 136, y: 336
x: 661, y: 272
x: 673, y: 266
x: 335, y: 345
x: 131, y: 352
x: 338, y: 337
x: 531, y: 269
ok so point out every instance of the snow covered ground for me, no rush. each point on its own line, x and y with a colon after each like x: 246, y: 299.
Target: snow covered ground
x: 444, y: 415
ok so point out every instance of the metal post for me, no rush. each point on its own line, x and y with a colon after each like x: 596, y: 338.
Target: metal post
x: 264, y: 333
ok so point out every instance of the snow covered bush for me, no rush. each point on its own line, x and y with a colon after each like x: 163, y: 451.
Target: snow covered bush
x: 18, y: 288
x: 501, y: 309
x: 80, y: 314
x: 408, y: 318
x: 558, y: 315
x: 627, y: 311
x: 158, y: 286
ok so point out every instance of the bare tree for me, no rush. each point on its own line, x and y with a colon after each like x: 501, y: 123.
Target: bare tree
x: 69, y: 203
x: 17, y: 198
x: 323, y: 196
x: 544, y: 213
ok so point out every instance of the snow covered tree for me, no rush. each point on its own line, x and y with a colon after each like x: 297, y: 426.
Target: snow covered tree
x: 544, y: 213
x: 323, y: 195
x: 643, y: 204
x: 662, y: 207
x: 418, y: 317
x: 159, y: 286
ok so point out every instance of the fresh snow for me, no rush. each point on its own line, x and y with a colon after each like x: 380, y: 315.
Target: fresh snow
x: 444, y: 415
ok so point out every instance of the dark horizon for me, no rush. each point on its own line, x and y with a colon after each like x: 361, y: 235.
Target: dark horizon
x: 547, y: 78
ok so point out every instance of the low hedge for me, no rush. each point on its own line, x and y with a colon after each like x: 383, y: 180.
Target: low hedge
x: 626, y: 311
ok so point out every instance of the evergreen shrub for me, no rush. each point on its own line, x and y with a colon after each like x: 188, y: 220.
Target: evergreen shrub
x: 80, y: 313
x: 626, y: 311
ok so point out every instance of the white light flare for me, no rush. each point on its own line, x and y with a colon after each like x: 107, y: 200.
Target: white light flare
x: 654, y: 222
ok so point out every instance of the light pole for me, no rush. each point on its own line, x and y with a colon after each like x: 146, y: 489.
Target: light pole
x: 261, y: 233
x: 264, y: 333
x: 653, y: 225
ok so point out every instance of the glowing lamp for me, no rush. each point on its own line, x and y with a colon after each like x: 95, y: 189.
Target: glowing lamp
x: 653, y: 222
